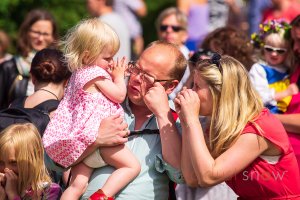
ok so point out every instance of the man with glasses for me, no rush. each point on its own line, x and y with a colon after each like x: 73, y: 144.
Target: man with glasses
x: 152, y: 77
x: 291, y: 118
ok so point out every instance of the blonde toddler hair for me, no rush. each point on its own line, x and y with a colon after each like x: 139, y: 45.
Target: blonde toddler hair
x: 87, y: 40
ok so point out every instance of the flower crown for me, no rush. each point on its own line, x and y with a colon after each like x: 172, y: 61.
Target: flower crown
x: 272, y: 26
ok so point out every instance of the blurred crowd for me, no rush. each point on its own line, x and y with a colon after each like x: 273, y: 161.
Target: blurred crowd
x: 252, y: 48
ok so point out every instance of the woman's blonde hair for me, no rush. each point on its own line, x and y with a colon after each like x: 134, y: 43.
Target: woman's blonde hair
x: 87, y: 40
x: 235, y: 101
x: 26, y: 141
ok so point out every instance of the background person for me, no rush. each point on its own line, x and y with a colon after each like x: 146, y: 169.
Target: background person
x: 290, y: 119
x: 230, y: 41
x: 171, y: 26
x: 132, y: 11
x: 37, y: 32
x: 197, y: 12
x: 103, y: 9
x: 271, y: 77
x: 4, y: 45
x: 23, y: 174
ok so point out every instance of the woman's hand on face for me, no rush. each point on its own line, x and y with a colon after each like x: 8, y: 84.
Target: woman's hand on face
x: 11, y: 183
x: 2, y: 185
x: 187, y: 105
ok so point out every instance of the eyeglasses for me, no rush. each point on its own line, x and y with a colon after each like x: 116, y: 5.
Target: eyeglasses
x: 38, y: 34
x: 133, y: 69
x: 163, y: 28
x: 271, y: 49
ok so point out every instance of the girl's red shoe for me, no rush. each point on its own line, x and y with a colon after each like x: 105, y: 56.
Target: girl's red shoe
x: 99, y: 195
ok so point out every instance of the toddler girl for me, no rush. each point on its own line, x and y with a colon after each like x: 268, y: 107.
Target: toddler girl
x: 94, y: 92
x: 23, y: 174
x: 271, y: 78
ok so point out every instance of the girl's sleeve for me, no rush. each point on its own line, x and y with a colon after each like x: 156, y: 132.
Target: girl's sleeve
x: 53, y: 192
x: 258, y: 78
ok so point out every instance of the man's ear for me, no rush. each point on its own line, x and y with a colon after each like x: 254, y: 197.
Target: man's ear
x: 170, y: 86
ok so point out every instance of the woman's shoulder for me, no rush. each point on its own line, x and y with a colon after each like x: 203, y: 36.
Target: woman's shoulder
x: 9, y: 65
x: 268, y: 126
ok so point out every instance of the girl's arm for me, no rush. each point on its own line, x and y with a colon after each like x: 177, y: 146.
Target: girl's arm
x: 2, y: 190
x: 11, y: 184
x: 291, y: 90
x: 258, y: 78
x: 114, y: 90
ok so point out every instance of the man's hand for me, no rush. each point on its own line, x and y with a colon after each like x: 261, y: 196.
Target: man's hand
x: 156, y: 100
x: 112, y: 131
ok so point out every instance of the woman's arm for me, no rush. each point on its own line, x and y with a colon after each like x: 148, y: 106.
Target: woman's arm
x: 291, y: 122
x: 210, y: 171
x: 186, y: 163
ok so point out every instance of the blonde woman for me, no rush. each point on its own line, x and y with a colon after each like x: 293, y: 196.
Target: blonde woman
x: 94, y: 91
x: 245, y: 146
x: 23, y: 174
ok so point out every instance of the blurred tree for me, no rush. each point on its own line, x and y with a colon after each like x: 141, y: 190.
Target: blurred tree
x: 67, y: 13
x: 154, y: 8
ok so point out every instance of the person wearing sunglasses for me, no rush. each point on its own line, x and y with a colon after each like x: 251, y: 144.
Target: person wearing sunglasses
x: 151, y: 78
x: 291, y: 118
x: 271, y: 78
x: 171, y: 26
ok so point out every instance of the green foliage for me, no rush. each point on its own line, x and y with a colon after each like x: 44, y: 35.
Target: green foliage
x: 154, y: 8
x: 67, y: 13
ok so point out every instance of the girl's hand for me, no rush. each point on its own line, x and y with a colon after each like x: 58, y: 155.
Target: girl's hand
x: 292, y: 89
x: 118, y: 68
x: 187, y: 105
x: 2, y: 185
x: 11, y: 183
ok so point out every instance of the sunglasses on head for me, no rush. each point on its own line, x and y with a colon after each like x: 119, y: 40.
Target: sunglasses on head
x: 277, y: 50
x: 174, y: 28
